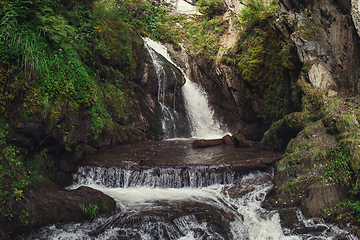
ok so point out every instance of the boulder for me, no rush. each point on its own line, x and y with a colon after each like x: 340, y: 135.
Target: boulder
x: 227, y: 140
x: 50, y: 203
x: 240, y: 140
x: 324, y: 196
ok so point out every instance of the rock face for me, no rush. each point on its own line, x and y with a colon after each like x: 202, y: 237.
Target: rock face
x: 326, y: 35
x: 355, y: 13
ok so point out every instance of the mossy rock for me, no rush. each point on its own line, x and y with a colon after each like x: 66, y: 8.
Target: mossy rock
x: 347, y: 123
x: 240, y: 140
x: 282, y: 131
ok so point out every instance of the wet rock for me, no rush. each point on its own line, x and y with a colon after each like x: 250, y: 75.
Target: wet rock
x: 324, y: 196
x: 288, y: 217
x: 50, y: 204
x: 167, y: 217
x: 28, y: 132
x: 309, y: 230
x: 227, y: 140
x: 243, y: 186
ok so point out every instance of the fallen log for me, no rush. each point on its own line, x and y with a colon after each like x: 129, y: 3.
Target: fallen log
x: 202, y: 143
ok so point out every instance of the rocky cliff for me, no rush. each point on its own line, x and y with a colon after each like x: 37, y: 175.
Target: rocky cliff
x: 292, y: 80
x: 324, y: 144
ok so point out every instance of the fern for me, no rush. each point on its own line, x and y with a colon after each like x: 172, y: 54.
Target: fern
x: 55, y: 27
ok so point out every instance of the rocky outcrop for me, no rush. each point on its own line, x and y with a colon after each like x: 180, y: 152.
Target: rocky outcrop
x: 240, y: 140
x: 51, y: 204
x: 326, y: 35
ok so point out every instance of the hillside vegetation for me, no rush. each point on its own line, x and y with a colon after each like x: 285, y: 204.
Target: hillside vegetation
x: 69, y: 74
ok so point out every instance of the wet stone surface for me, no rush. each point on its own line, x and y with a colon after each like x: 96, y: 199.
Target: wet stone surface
x: 180, y: 152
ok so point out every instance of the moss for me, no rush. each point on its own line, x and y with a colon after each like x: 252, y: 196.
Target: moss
x: 268, y: 68
x: 240, y: 140
x: 346, y: 123
x: 282, y: 131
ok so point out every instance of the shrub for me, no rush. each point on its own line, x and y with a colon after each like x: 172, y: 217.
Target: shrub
x: 255, y: 11
x: 211, y: 8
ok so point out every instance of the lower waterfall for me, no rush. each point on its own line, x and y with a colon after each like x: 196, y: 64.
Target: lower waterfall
x: 185, y: 204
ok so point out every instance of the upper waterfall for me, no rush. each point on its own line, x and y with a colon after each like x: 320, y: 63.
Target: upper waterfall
x: 203, y: 124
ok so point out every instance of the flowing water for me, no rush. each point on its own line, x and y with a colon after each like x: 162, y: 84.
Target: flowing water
x: 213, y: 193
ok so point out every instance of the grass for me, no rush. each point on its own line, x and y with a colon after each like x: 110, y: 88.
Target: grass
x: 199, y: 34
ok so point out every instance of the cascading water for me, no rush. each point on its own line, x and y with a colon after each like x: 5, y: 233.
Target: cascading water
x: 180, y: 203
x: 168, y: 115
x: 203, y: 124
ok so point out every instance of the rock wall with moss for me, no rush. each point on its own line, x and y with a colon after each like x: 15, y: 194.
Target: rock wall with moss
x: 319, y: 171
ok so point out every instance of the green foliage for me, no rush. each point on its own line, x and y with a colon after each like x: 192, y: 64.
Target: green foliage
x: 199, y: 34
x: 109, y: 108
x: 57, y: 55
x: 211, y: 8
x: 90, y: 209
x: 268, y: 68
x: 13, y: 177
x: 55, y: 27
x: 256, y: 11
x: 339, y: 170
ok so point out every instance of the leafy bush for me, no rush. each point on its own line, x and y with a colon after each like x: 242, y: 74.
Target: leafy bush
x: 13, y: 177
x: 256, y: 11
x: 211, y: 8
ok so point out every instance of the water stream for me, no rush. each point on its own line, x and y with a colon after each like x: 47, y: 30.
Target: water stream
x: 217, y: 196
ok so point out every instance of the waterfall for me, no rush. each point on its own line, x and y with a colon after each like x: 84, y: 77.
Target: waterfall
x: 203, y: 124
x: 168, y: 115
x: 169, y: 177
